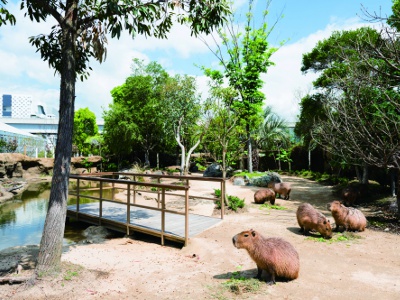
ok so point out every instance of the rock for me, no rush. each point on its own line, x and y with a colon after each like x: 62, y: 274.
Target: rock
x: 263, y: 181
x: 213, y: 170
x: 239, y: 181
x: 96, y: 234
x: 18, y: 258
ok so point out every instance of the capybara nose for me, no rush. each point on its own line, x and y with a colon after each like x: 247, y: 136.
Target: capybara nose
x: 234, y: 240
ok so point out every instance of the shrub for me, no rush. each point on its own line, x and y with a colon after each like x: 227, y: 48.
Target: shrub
x: 234, y: 202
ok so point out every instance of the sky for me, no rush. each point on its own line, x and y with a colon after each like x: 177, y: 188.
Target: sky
x: 304, y: 23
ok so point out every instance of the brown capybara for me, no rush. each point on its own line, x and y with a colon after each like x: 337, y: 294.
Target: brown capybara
x: 311, y: 219
x: 276, y: 256
x: 350, y: 218
x: 350, y: 195
x: 281, y: 188
x: 264, y: 195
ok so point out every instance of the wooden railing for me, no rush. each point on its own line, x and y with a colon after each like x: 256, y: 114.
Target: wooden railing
x: 135, y: 186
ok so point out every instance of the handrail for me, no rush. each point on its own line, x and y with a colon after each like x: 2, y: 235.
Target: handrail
x: 129, y: 183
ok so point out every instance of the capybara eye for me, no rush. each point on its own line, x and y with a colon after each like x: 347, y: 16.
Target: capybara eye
x: 246, y: 235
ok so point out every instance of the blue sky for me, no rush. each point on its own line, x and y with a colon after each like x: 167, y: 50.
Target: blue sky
x: 305, y: 22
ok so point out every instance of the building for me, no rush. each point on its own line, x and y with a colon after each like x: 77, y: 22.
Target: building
x: 23, y: 142
x: 22, y: 106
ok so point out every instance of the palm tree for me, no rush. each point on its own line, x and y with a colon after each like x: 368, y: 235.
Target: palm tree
x: 272, y: 133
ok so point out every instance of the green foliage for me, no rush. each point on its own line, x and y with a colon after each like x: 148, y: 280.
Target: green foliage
x: 323, y: 178
x: 345, y: 236
x: 238, y: 284
x: 84, y: 127
x: 249, y: 56
x: 234, y: 202
x: 5, y: 15
x: 8, y: 145
x: 145, y: 110
x: 270, y: 206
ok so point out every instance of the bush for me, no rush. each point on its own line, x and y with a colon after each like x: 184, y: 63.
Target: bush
x: 234, y: 203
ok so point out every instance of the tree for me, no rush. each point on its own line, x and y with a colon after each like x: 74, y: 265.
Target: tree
x: 334, y: 58
x: 363, y: 122
x: 273, y: 135
x: 248, y: 57
x: 222, y: 139
x: 142, y: 100
x: 312, y: 112
x: 84, y: 127
x: 184, y: 116
x: 80, y: 34
x: 5, y: 15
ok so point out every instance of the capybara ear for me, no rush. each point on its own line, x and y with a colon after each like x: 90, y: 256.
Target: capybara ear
x: 253, y: 233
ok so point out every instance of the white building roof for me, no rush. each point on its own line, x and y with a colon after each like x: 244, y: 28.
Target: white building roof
x: 10, y: 129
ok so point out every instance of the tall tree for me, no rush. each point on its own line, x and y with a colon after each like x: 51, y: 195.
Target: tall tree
x: 80, y: 34
x: 363, y: 121
x: 184, y: 114
x: 222, y: 139
x: 142, y: 103
x: 273, y: 134
x: 85, y: 126
x: 248, y: 57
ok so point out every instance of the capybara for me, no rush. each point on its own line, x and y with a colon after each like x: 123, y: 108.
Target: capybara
x: 311, y: 219
x: 276, y: 256
x: 264, y: 195
x: 281, y: 188
x: 350, y: 195
x: 350, y: 218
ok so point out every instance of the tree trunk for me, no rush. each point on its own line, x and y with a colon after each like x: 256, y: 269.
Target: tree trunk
x: 146, y: 158
x: 365, y: 174
x: 393, y: 181
x: 186, y: 167
x: 49, y: 257
x: 398, y: 194
x: 309, y: 159
x: 249, y: 151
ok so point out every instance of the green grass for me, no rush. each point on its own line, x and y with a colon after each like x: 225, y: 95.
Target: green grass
x: 270, y: 206
x: 238, y: 284
x: 339, y: 237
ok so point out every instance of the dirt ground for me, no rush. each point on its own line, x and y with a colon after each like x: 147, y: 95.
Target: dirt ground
x: 367, y: 267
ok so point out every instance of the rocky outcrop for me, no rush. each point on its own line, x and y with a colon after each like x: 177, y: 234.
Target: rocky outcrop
x: 15, y: 165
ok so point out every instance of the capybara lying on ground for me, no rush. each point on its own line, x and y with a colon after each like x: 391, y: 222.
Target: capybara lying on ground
x: 350, y: 195
x: 281, y: 188
x: 350, y: 218
x: 276, y: 256
x: 264, y: 195
x: 311, y: 219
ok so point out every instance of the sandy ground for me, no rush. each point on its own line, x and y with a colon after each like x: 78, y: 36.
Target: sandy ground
x: 139, y: 268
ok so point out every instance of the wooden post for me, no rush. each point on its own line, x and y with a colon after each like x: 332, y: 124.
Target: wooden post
x: 128, y: 210
x: 223, y: 194
x: 101, y: 202
x: 134, y: 190
x: 77, y: 198
x: 186, y: 217
x: 158, y: 193
x: 162, y: 216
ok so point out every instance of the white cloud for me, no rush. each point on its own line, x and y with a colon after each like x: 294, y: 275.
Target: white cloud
x: 284, y: 80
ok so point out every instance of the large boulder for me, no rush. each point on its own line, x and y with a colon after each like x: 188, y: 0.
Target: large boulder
x: 213, y: 170
x: 263, y: 180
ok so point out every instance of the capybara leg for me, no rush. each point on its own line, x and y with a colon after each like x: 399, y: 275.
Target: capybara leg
x: 259, y: 271
x: 301, y: 229
x: 337, y: 228
x: 272, y: 201
x: 270, y: 278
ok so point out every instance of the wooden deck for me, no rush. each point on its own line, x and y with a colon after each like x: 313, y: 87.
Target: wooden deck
x: 114, y: 216
x: 126, y: 215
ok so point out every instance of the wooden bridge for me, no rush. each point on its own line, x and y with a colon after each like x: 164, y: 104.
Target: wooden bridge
x: 98, y: 201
